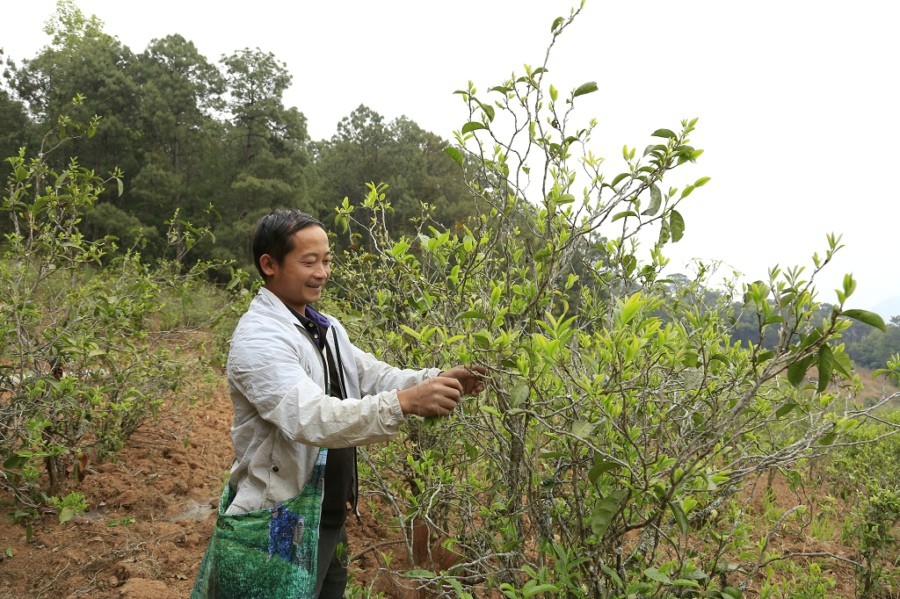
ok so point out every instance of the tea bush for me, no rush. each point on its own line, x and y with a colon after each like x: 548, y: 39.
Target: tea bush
x: 88, y: 346
x: 620, y: 417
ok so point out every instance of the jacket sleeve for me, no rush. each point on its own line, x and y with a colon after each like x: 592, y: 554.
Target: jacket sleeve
x: 267, y: 366
x: 373, y: 375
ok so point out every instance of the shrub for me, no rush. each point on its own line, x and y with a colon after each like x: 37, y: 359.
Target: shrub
x: 82, y: 365
x: 620, y: 417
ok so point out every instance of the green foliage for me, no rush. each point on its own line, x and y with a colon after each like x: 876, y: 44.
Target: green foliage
x: 864, y: 473
x: 81, y: 364
x: 796, y: 582
x: 213, y: 142
x: 107, y: 220
x: 123, y: 521
x: 14, y: 127
x: 399, y: 154
x: 71, y: 505
x: 266, y: 143
x: 81, y: 60
x: 625, y: 410
x: 873, y: 525
x: 620, y: 416
x: 868, y: 458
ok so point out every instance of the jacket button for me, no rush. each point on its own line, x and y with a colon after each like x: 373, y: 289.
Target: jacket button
x: 274, y: 468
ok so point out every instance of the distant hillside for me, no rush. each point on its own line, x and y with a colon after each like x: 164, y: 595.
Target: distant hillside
x: 889, y: 307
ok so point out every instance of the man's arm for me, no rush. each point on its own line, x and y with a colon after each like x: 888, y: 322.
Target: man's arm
x: 266, y: 370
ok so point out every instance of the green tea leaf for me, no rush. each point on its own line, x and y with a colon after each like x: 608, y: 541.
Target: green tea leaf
x: 605, y: 511
x: 539, y: 588
x: 600, y: 466
x: 797, y: 370
x: 870, y: 318
x: 785, y: 409
x: 623, y: 214
x: 585, y: 88
x: 65, y: 515
x: 842, y: 363
x: 630, y: 308
x: 828, y: 439
x: 519, y: 394
x: 491, y: 410
x: 654, y: 574
x: 680, y: 517
x: 410, y: 331
x: 618, y: 178
x: 481, y: 339
x: 582, y: 429
x: 455, y: 154
x: 721, y: 358
x: 421, y: 574
x: 826, y: 367
x: 676, y: 225
x: 655, y: 201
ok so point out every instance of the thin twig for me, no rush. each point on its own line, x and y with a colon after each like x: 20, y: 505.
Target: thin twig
x: 811, y: 554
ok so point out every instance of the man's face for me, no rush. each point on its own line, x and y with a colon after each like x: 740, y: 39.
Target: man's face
x: 299, y: 279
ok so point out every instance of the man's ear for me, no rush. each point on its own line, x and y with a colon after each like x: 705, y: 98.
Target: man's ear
x: 267, y: 264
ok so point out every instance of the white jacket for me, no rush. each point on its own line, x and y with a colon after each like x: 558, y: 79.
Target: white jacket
x: 282, y: 416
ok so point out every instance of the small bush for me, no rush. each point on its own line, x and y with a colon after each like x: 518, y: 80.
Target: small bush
x: 81, y: 362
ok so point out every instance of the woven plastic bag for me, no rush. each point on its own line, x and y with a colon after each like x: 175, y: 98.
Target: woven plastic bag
x: 265, y: 554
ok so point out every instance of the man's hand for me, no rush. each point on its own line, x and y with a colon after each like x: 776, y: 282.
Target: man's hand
x: 434, y: 397
x: 470, y: 377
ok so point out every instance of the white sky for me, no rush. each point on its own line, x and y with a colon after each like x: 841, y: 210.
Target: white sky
x: 797, y: 101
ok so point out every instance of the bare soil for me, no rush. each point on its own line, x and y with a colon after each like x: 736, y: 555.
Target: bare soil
x: 149, y: 518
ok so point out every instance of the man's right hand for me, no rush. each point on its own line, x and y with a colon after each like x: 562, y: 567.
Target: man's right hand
x: 434, y: 397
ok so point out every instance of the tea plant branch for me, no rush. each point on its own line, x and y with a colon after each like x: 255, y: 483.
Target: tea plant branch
x: 775, y: 528
x: 806, y: 554
x: 374, y: 547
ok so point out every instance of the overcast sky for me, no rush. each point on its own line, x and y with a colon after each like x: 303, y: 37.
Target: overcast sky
x: 798, y: 107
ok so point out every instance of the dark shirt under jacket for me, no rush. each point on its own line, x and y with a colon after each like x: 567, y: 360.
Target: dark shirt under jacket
x: 340, y: 466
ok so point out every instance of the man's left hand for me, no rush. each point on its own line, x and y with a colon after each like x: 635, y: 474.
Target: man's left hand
x: 471, y: 377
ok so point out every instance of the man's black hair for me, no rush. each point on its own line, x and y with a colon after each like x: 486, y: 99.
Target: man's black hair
x: 274, y: 234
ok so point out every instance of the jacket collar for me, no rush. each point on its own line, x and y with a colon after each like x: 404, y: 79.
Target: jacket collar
x: 269, y: 302
x: 272, y: 303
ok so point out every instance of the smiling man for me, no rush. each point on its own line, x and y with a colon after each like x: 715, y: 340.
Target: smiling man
x: 304, y: 397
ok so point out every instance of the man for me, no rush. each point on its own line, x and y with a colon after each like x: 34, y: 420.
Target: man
x: 304, y: 396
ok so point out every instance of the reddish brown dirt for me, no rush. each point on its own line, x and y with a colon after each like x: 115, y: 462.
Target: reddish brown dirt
x: 773, y: 505
x: 150, y: 515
